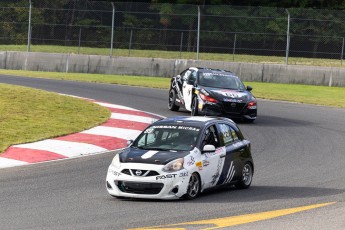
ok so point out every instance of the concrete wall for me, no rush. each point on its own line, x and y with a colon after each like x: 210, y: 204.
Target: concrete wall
x: 278, y: 73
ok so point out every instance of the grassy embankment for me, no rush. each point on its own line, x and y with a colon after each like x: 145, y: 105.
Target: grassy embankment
x: 28, y: 115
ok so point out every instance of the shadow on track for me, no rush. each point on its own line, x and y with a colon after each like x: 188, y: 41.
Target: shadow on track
x: 229, y: 194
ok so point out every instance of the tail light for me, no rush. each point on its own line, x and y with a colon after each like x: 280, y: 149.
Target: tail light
x: 251, y: 105
x: 208, y: 98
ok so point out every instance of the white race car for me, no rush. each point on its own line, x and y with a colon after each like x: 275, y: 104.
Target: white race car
x: 179, y: 157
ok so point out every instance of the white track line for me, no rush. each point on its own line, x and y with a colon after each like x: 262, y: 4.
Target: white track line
x: 6, y: 163
x: 126, y: 134
x: 136, y: 118
x: 115, y: 106
x: 65, y: 148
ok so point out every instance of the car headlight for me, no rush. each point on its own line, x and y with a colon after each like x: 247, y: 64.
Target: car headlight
x: 174, y: 165
x: 116, y: 161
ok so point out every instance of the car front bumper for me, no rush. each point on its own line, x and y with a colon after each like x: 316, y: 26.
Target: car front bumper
x: 162, y: 186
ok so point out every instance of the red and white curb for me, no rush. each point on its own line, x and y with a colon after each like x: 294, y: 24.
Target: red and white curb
x: 124, y: 124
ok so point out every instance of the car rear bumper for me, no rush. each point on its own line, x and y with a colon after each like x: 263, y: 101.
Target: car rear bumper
x: 218, y: 110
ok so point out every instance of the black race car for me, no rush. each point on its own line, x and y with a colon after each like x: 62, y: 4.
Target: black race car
x: 212, y: 92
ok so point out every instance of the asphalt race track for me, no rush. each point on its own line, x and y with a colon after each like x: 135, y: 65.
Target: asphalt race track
x: 299, y: 158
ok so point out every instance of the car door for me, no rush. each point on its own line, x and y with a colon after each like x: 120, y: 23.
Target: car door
x: 234, y: 149
x: 211, y: 163
x: 187, y: 88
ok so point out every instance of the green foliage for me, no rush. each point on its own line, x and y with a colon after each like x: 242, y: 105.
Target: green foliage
x: 260, y: 26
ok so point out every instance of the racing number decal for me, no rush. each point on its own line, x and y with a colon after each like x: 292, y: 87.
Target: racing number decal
x: 187, y: 95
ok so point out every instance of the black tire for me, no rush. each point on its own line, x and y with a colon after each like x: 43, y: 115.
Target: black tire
x: 194, y: 107
x: 172, y: 99
x: 246, y: 176
x: 194, y: 187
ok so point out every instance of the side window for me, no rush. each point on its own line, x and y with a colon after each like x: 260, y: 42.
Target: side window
x: 192, y: 78
x: 210, y: 137
x: 227, y: 134
x: 234, y: 135
x: 186, y: 75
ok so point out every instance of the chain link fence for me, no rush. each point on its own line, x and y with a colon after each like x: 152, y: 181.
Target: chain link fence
x: 178, y: 31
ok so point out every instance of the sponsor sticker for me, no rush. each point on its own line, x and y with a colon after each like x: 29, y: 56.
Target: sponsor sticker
x: 183, y: 174
x: 205, y: 163
x: 114, y: 172
x: 190, y: 128
x: 149, y: 130
x: 167, y: 176
x: 191, y: 161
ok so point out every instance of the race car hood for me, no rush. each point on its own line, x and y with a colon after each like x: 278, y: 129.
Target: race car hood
x: 229, y: 95
x: 134, y: 155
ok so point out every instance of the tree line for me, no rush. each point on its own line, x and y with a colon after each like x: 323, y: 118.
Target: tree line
x: 252, y: 26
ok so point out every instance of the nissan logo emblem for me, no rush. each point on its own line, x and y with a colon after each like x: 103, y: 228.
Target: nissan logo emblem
x: 138, y: 172
x: 233, y: 104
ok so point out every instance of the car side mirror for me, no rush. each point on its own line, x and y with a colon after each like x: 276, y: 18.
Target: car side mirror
x: 209, y: 148
x: 249, y: 88
x: 129, y: 143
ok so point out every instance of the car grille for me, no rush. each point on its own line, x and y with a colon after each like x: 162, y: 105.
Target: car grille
x: 232, y: 107
x: 139, y: 187
x: 139, y: 172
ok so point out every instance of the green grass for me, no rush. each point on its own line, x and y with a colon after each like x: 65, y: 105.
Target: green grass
x: 152, y: 82
x: 175, y: 55
x: 28, y: 115
x: 307, y: 94
x: 319, y: 95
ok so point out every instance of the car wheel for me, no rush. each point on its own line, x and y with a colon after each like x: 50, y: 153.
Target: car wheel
x: 246, y: 176
x: 194, y: 109
x: 194, y: 185
x: 172, y: 99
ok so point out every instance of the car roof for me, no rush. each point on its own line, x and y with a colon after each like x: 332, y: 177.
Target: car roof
x: 212, y: 70
x: 195, y: 121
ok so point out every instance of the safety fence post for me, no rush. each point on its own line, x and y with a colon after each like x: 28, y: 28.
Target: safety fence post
x: 342, y: 53
x: 198, y: 36
x: 29, y: 27
x: 181, y: 44
x: 233, y: 51
x: 112, y: 29
x: 287, y: 38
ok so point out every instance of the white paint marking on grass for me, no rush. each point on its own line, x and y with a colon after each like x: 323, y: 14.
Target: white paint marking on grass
x: 65, y: 148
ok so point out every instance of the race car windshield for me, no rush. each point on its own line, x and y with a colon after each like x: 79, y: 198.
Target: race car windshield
x: 220, y: 80
x: 174, y: 138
